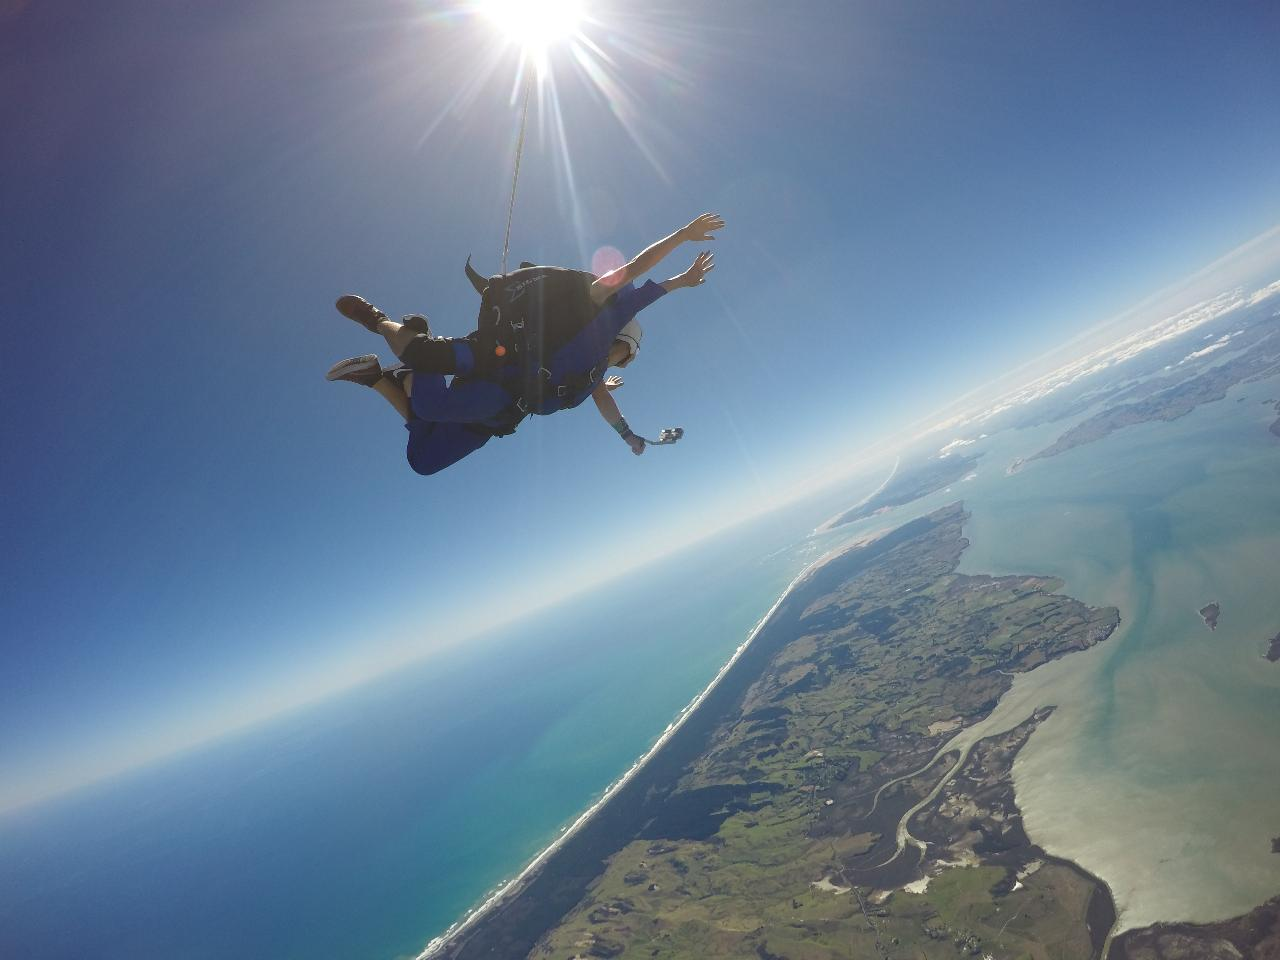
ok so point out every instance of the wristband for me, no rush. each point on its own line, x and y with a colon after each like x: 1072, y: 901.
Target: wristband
x: 621, y: 427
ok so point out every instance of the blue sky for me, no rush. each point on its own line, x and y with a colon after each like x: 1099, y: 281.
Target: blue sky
x: 199, y: 529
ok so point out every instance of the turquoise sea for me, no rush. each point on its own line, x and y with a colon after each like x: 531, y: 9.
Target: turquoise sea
x: 366, y: 826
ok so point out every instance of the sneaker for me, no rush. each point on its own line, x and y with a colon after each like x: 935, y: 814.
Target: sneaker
x: 365, y: 370
x: 361, y: 311
x: 397, y: 373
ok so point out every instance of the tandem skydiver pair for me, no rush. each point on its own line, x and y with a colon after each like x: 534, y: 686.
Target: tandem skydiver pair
x: 544, y: 339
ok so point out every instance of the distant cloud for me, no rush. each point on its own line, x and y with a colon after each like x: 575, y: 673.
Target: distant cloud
x: 1162, y: 331
x: 1270, y: 290
x: 953, y: 446
x: 1205, y: 351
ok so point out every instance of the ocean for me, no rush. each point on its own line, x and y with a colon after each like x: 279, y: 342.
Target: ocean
x: 363, y: 827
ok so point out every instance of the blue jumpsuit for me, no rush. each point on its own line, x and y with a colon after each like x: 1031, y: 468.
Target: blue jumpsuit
x: 454, y: 419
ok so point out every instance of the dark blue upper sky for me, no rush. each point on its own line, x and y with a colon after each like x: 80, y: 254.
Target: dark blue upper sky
x: 198, y: 528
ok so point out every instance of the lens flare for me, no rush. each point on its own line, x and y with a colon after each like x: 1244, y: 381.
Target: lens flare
x: 606, y: 259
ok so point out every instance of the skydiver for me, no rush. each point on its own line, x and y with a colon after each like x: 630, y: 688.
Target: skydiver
x: 449, y: 420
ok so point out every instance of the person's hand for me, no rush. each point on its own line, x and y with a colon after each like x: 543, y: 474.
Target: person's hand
x: 700, y: 229
x: 636, y: 443
x: 612, y: 383
x: 703, y: 264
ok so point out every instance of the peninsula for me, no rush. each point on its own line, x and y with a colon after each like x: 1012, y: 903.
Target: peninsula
x: 1254, y: 935
x: 812, y: 805
x: 909, y: 484
x: 1176, y: 394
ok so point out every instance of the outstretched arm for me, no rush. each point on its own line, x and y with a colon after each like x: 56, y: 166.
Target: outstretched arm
x: 697, y: 230
x: 703, y: 264
x: 613, y: 416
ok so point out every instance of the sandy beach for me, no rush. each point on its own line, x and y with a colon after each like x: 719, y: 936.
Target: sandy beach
x: 510, y: 889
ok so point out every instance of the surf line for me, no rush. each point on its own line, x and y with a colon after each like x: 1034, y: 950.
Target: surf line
x: 510, y: 888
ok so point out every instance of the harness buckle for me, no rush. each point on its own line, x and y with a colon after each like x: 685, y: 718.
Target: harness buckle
x: 546, y: 374
x: 562, y: 391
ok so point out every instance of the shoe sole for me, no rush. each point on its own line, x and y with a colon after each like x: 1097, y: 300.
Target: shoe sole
x: 361, y: 311
x: 343, y: 369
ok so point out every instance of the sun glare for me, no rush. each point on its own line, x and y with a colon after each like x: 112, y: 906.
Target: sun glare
x: 535, y: 24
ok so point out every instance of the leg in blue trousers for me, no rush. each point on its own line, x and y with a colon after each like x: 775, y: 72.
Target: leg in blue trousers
x: 434, y: 446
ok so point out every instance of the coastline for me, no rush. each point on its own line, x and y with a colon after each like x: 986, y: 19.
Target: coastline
x: 512, y: 918
x: 1252, y: 934
x: 832, y: 522
x: 455, y: 936
x: 751, y: 815
x: 642, y: 803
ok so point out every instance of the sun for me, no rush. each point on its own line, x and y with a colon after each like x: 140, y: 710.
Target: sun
x: 535, y: 24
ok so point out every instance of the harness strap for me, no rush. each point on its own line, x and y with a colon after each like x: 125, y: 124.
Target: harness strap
x: 513, y: 348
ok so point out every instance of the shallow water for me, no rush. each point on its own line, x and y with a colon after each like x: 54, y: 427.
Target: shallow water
x: 1160, y: 771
